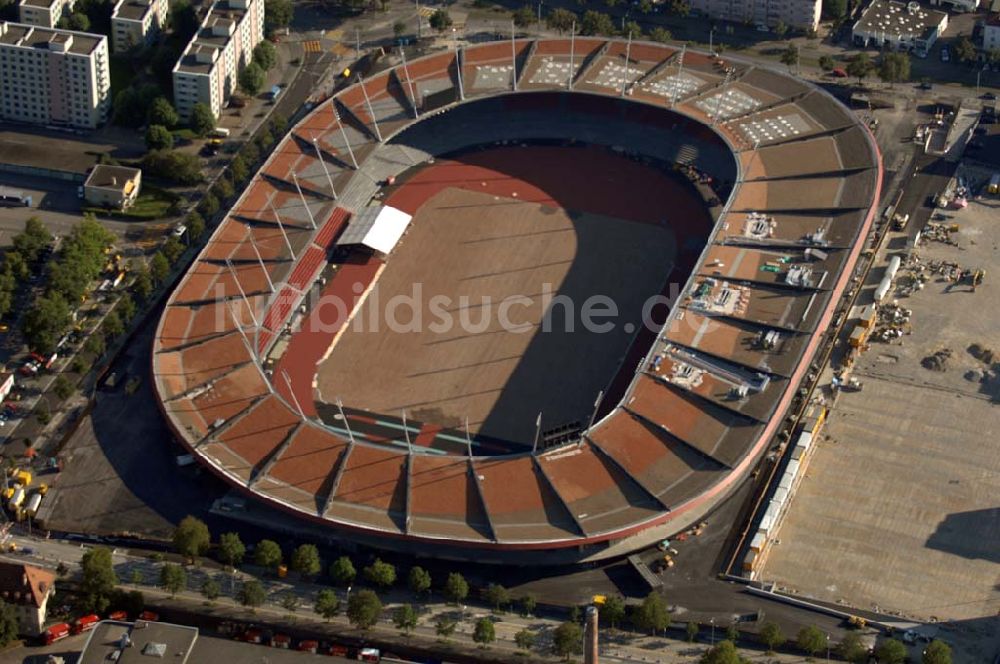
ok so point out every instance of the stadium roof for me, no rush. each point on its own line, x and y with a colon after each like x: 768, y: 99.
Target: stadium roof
x: 703, y: 404
x: 377, y: 227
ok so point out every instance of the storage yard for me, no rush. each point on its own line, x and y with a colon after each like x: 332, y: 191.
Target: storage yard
x: 904, y: 481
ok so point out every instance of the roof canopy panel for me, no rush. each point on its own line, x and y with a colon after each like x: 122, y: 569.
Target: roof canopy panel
x: 378, y: 227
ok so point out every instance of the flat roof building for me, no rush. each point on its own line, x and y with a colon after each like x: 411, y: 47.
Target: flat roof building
x: 141, y: 641
x: 208, y: 70
x: 44, y: 13
x: 802, y: 14
x: 137, y: 22
x: 991, y: 33
x: 53, y: 77
x: 112, y: 186
x: 900, y: 26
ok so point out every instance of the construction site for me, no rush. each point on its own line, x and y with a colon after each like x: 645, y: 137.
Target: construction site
x: 897, y: 506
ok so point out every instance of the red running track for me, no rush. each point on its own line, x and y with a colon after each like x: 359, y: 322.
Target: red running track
x: 319, y: 329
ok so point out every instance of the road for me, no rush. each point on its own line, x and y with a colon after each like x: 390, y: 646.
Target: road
x: 143, y: 573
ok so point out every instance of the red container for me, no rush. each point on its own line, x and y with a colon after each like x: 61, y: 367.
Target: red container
x: 86, y: 623
x: 56, y: 632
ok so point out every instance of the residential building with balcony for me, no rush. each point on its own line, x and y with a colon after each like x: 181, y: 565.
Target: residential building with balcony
x: 43, y: 13
x: 800, y: 14
x: 137, y: 22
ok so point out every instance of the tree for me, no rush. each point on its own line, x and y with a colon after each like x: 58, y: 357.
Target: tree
x: 398, y: 29
x: 173, y: 578
x: 30, y: 242
x: 524, y: 16
x: 632, y: 28
x: 267, y: 554
x: 771, y: 636
x: 305, y: 560
x: 851, y: 649
x: 94, y: 345
x: 112, y: 327
x: 45, y: 322
x: 277, y: 14
x: 723, y: 652
x: 567, y: 639
x: 63, y: 388
x: 826, y: 63
x: 692, y: 631
x: 790, y: 56
x: 210, y: 589
x: 652, y: 614
x: 732, y: 632
x: 238, y: 169
x: 528, y: 604
x: 251, y: 594
x: 560, y: 20
x: 404, y: 617
x: 251, y: 79
x: 524, y: 639
x: 834, y: 9
x: 98, y: 579
x: 484, y: 632
x: 811, y: 640
x: 79, y: 22
x: 613, y: 610
x: 496, y: 595
x: 381, y: 574
x: 965, y: 50
x: 202, y: 119
x: 445, y: 627
x: 860, y: 66
x: 456, y: 588
x: 174, y: 166
x: 290, y: 602
x: 894, y: 67
x: 279, y: 123
x: 596, y: 23
x: 231, y: 549
x: 183, y: 20
x: 440, y: 20
x: 780, y: 29
x: 209, y: 205
x: 161, y: 112
x: 327, y: 604
x: 191, y: 538
x: 891, y: 651
x: 342, y: 571
x: 172, y: 249
x: 646, y: 6
x: 126, y: 308
x: 661, y: 35
x: 364, y: 609
x: 265, y: 55
x: 419, y: 580
x: 8, y: 624
x: 223, y: 188
x: 159, y: 268
x: 938, y: 652
x: 143, y: 285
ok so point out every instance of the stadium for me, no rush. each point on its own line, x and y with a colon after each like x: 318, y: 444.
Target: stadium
x: 720, y: 207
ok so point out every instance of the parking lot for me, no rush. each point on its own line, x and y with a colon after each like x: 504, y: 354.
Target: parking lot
x: 899, y: 509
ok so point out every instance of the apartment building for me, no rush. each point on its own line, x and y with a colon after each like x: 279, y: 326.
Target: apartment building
x: 991, y: 33
x: 800, y: 14
x: 137, y: 22
x: 44, y: 13
x: 53, y: 77
x: 208, y: 70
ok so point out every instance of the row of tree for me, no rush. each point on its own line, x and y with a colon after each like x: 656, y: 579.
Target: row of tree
x: 21, y: 259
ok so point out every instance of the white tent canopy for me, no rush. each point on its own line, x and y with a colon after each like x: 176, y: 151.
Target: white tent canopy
x: 378, y: 227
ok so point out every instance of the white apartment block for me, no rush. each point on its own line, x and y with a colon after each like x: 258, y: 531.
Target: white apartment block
x: 801, y: 14
x: 44, y: 13
x: 991, y: 33
x: 207, y: 72
x: 53, y: 77
x: 137, y: 22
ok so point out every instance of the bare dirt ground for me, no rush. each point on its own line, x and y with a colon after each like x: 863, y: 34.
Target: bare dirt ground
x: 479, y: 251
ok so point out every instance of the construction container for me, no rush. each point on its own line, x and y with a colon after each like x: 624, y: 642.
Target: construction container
x: 16, y: 499
x: 749, y: 561
x: 805, y: 439
x: 793, y: 469
x: 33, y: 503
x: 758, y: 542
x: 858, y: 336
x: 798, y: 453
x: 780, y: 496
x: 869, y: 315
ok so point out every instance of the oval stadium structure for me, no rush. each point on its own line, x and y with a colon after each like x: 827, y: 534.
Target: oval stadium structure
x: 789, y: 180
